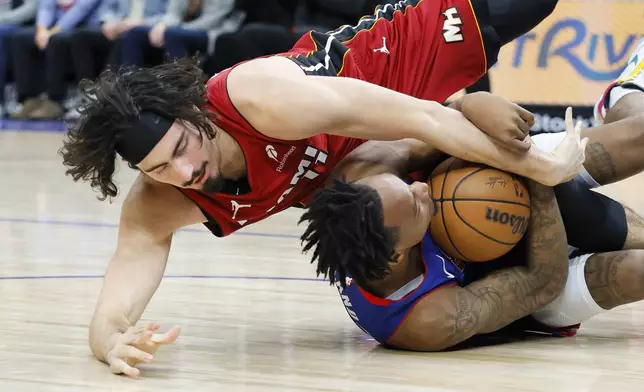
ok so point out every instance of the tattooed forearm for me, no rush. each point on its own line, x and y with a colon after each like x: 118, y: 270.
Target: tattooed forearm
x: 452, y: 315
x: 511, y: 293
x: 471, y: 304
x: 599, y: 163
x: 477, y: 307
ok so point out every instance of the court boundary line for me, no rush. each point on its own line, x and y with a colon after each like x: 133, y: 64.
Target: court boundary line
x: 55, y: 222
x: 170, y: 276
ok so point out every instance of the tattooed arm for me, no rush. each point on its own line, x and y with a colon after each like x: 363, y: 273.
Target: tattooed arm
x: 454, y: 314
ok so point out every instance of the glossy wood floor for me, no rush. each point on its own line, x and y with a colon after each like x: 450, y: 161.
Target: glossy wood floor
x: 253, y: 317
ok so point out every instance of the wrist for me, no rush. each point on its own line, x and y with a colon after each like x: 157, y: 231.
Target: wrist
x: 101, y: 345
x: 543, y: 167
x: 103, y: 336
x: 461, y: 102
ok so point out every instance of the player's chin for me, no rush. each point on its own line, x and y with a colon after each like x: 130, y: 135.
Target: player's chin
x: 213, y: 184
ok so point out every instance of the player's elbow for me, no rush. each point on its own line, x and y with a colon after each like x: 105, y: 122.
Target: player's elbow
x: 430, y: 331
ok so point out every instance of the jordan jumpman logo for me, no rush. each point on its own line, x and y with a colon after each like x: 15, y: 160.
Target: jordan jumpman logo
x: 384, y: 47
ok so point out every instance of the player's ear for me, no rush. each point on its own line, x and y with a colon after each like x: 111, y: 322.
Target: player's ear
x: 397, y: 258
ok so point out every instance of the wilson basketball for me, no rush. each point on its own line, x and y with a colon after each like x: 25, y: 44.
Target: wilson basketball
x: 481, y: 212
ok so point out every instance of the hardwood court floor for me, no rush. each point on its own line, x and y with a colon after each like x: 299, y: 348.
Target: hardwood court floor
x: 253, y: 316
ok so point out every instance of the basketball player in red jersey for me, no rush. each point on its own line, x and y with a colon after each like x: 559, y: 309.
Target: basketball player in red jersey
x: 399, y: 287
x: 264, y: 134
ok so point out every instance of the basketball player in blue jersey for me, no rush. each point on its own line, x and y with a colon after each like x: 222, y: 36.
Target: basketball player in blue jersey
x: 370, y: 237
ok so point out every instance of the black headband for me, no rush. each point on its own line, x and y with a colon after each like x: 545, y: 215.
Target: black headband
x: 137, y: 142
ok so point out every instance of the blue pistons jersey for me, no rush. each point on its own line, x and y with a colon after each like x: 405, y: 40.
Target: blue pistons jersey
x: 380, y: 317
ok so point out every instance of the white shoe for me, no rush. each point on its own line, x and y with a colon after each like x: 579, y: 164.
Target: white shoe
x: 630, y: 80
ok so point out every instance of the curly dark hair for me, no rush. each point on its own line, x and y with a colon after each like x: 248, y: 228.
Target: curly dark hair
x: 347, y: 232
x: 113, y: 103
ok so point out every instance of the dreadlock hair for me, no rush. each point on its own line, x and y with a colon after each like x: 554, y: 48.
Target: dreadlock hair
x: 113, y: 103
x: 347, y: 232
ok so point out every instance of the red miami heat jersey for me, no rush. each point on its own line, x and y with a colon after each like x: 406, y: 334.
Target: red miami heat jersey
x: 281, y: 173
x: 427, y: 49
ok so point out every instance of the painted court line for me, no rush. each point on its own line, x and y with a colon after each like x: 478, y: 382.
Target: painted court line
x: 114, y: 226
x: 222, y: 277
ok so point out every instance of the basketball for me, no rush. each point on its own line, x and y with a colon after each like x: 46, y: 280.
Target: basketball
x: 481, y: 212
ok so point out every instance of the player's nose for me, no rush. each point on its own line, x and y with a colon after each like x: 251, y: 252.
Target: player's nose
x: 183, y: 168
x: 421, y: 189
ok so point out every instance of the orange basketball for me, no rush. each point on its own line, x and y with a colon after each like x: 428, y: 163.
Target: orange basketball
x: 481, y: 212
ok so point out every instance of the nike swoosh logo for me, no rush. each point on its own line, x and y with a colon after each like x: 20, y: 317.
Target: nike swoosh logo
x: 449, y: 274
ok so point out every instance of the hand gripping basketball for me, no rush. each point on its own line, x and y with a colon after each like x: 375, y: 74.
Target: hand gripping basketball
x: 505, y: 121
x: 481, y: 212
x: 137, y: 345
x: 570, y: 154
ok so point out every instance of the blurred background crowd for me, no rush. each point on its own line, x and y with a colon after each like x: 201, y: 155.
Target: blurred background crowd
x: 48, y: 46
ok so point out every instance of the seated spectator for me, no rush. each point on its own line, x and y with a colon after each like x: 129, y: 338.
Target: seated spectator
x: 46, y: 48
x: 278, y: 13
x: 98, y: 47
x: 13, y: 14
x: 199, y: 35
x: 143, y: 44
x: 264, y: 38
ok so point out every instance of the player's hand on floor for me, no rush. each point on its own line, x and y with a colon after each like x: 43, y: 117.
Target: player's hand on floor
x: 136, y: 345
x: 570, y: 154
x: 505, y: 121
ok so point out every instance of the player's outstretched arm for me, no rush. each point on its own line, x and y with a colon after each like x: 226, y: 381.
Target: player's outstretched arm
x: 400, y: 157
x: 452, y: 315
x: 280, y: 101
x: 150, y: 214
